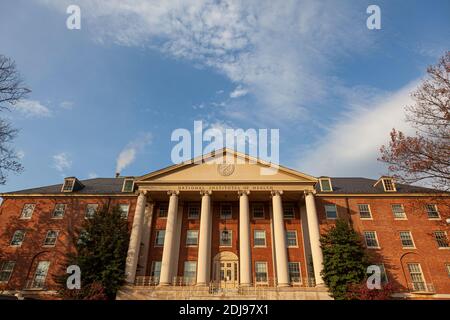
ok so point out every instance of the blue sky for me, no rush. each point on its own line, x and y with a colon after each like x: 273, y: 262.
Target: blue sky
x: 137, y: 70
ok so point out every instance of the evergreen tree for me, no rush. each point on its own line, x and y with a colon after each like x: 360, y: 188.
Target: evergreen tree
x: 344, y: 259
x: 101, y: 250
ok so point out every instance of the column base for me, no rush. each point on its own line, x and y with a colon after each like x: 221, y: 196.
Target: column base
x: 320, y: 285
x: 283, y: 285
x: 163, y: 284
x: 245, y: 285
x: 201, y: 284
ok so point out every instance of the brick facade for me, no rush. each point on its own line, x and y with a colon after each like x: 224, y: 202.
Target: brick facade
x: 432, y: 259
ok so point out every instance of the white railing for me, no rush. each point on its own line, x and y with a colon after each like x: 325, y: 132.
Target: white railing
x: 146, y: 281
x: 422, y: 287
x: 215, y: 286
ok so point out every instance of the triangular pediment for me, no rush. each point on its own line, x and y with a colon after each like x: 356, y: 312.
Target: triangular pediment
x: 226, y: 166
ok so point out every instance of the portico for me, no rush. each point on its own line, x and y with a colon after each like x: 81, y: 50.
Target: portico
x: 225, y: 224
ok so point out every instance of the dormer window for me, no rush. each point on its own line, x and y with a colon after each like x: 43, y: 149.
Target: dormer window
x: 128, y: 185
x: 325, y: 185
x: 388, y: 185
x: 69, y: 183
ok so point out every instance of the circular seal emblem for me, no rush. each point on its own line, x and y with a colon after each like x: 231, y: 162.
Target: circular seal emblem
x: 225, y: 169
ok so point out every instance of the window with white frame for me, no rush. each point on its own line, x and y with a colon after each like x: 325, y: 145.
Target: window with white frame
x: 155, y: 270
x: 371, y: 239
x: 124, y: 208
x: 27, y: 211
x: 432, y: 211
x: 415, y: 272
x: 447, y: 265
x: 331, y: 211
x: 226, y: 237
x: 398, y: 211
x: 261, y: 271
x: 225, y: 211
x: 59, y: 210
x: 325, y: 185
x: 91, y: 210
x: 291, y: 238
x: 68, y: 185
x: 190, y: 272
x: 192, y: 238
x: 288, y: 211
x: 6, y: 270
x: 18, y: 237
x: 50, y: 238
x: 294, y: 272
x: 388, y: 184
x: 364, y: 211
x: 40, y: 275
x: 407, y: 239
x: 441, y: 239
x: 159, y: 240
x: 128, y: 185
x: 162, y: 210
x: 259, y: 238
x: 193, y: 211
x: 258, y: 210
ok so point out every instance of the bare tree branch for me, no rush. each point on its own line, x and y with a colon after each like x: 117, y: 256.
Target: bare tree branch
x: 12, y: 90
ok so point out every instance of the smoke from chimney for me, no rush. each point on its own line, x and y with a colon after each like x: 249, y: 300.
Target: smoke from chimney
x: 128, y: 154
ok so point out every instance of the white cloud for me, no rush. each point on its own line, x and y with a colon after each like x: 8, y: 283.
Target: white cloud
x: 32, y: 109
x: 62, y: 161
x: 238, y: 92
x: 350, y: 146
x: 281, y: 51
x: 128, y: 154
x: 68, y: 105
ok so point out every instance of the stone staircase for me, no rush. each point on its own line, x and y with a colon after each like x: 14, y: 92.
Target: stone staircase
x: 132, y: 292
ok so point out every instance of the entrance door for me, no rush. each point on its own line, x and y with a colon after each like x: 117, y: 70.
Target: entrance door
x: 226, y: 270
x: 228, y: 274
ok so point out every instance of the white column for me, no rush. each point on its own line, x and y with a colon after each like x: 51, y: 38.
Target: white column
x: 176, y: 244
x: 169, y: 240
x: 280, y: 240
x: 135, y: 238
x: 147, y: 227
x: 314, y: 236
x: 204, y: 246
x: 245, y: 260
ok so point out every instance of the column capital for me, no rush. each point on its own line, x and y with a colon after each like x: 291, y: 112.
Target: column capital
x: 307, y: 192
x: 142, y: 192
x: 173, y: 192
x: 242, y: 192
x: 205, y: 192
x: 276, y: 192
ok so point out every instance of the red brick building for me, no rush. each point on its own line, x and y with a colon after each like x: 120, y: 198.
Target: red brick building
x: 229, y: 226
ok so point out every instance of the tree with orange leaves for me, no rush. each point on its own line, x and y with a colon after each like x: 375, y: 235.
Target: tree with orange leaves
x: 425, y: 157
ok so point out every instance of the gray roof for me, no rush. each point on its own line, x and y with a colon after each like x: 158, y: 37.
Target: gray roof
x: 340, y: 186
x: 366, y: 186
x: 91, y: 186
